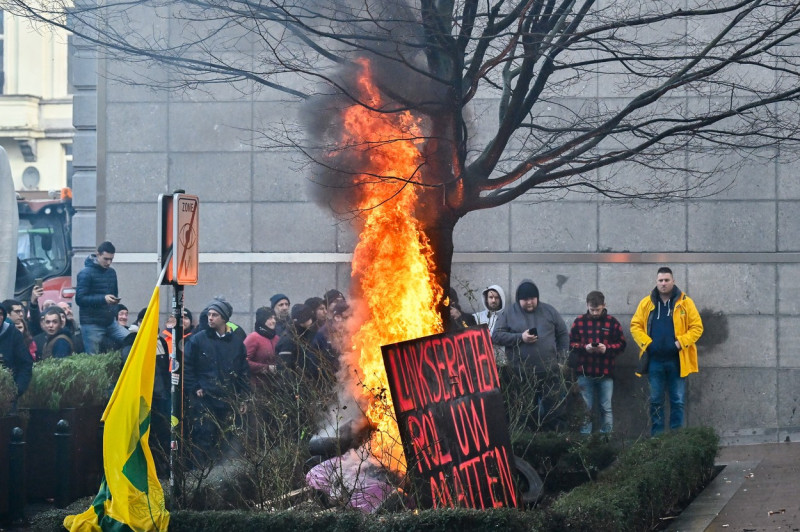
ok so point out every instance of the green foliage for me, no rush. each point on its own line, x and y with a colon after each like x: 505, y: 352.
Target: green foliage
x: 8, y: 391
x: 649, y: 480
x: 71, y: 382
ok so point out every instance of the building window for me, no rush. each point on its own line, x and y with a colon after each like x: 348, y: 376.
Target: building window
x: 68, y: 158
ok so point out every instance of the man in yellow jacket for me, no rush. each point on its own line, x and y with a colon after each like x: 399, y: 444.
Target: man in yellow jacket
x: 666, y: 327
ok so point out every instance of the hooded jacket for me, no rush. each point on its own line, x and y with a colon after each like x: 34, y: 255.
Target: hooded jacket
x: 15, y: 356
x: 541, y: 355
x: 487, y: 316
x: 685, y: 318
x: 94, y: 283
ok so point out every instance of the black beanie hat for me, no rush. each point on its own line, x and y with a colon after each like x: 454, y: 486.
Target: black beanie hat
x: 277, y: 298
x: 301, y: 313
x: 527, y: 290
x: 222, y: 307
x: 262, y: 315
x: 332, y: 295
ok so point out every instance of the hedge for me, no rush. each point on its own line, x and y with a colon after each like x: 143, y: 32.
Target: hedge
x: 648, y: 480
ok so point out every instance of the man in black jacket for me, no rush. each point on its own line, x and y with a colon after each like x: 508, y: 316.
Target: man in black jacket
x: 97, y: 296
x: 217, y: 377
x: 14, y: 355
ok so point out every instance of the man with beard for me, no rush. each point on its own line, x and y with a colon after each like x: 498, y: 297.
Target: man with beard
x: 494, y: 303
x: 596, y: 338
x: 666, y: 327
x: 280, y: 304
x: 534, y: 335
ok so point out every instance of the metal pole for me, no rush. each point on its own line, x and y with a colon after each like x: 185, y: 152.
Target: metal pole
x: 16, y: 476
x: 63, y: 463
x: 176, y: 367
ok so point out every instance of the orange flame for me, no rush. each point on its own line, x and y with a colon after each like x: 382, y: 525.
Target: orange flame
x: 392, y: 263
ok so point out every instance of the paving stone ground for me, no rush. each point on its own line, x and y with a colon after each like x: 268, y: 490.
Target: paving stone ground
x: 759, y: 490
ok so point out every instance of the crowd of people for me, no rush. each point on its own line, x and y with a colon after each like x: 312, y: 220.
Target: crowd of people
x: 223, y: 364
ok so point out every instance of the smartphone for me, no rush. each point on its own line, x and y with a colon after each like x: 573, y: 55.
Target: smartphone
x: 595, y: 344
x: 533, y: 332
x: 38, y: 282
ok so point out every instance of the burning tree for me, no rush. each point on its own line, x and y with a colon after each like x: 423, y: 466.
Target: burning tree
x: 418, y: 112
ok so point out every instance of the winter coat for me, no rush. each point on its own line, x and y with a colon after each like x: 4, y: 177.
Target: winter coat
x: 260, y: 352
x: 59, y: 345
x: 541, y: 355
x: 15, y: 356
x: 685, y: 318
x: 217, y: 365
x: 486, y: 316
x: 605, y: 330
x: 94, y: 283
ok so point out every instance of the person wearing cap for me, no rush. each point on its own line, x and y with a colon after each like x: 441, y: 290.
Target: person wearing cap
x: 534, y: 335
x: 217, y: 377
x: 280, y: 304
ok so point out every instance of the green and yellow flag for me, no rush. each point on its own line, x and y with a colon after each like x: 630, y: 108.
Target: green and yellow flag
x: 130, y: 497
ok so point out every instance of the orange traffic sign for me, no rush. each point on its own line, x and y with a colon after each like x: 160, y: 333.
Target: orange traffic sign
x: 185, y: 238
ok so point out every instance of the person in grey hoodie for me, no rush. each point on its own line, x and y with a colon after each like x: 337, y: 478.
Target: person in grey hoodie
x: 533, y: 333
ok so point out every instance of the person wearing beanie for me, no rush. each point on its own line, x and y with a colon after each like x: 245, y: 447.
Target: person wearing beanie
x: 280, y: 304
x: 536, y: 339
x: 169, y: 327
x: 260, y: 345
x: 216, y: 378
x: 295, y: 352
x: 332, y: 297
x: 320, y: 310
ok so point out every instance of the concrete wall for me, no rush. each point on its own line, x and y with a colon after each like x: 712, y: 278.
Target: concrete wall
x: 735, y: 253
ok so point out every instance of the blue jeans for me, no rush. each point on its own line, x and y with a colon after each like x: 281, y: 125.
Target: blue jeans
x: 604, y: 387
x: 93, y: 335
x: 665, y: 375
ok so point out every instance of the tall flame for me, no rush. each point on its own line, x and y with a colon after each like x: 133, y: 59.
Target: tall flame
x: 392, y: 263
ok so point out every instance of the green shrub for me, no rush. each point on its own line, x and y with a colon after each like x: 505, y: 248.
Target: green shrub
x: 8, y: 391
x: 650, y: 479
x: 71, y: 382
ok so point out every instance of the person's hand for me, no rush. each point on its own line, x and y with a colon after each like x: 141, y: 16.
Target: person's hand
x: 589, y: 348
x: 529, y: 338
x: 199, y: 393
x: 601, y: 348
x: 111, y: 299
x: 36, y: 293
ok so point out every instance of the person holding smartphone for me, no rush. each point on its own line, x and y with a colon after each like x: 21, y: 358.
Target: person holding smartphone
x: 596, y: 338
x: 97, y: 295
x: 535, y: 336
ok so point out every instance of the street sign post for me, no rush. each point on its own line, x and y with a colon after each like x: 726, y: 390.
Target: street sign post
x: 178, y: 249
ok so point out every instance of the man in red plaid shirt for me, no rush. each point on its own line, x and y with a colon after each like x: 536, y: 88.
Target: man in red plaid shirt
x: 597, y: 339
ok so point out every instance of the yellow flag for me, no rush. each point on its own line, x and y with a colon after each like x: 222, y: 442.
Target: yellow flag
x: 130, y: 496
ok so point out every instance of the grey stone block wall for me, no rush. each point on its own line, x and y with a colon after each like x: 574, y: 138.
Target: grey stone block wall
x: 265, y: 233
